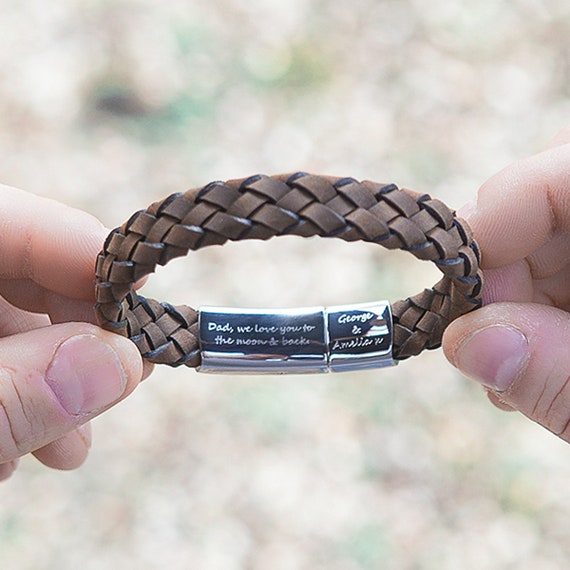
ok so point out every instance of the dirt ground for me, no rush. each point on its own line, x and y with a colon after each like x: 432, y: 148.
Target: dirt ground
x: 110, y: 105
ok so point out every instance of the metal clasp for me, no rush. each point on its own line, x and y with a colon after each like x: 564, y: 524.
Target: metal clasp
x: 282, y: 341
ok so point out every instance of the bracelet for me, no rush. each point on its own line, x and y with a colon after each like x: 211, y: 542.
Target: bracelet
x: 289, y: 340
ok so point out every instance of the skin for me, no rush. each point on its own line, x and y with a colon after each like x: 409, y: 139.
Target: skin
x: 47, y: 259
x: 517, y: 345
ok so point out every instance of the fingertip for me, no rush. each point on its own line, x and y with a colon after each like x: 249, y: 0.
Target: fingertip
x: 7, y: 469
x: 560, y: 138
x: 520, y: 353
x: 56, y: 378
x: 495, y: 355
x: 68, y: 452
x: 520, y: 207
x: 463, y: 335
x: 62, y: 256
x: 453, y: 336
x: 467, y: 210
x: 130, y: 358
x: 498, y: 401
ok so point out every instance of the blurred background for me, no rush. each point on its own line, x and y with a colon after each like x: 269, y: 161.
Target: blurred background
x: 110, y: 105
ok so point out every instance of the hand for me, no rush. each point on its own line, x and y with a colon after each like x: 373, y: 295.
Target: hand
x: 57, y: 371
x: 518, y: 344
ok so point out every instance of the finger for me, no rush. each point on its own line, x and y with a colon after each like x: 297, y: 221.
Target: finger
x: 515, y: 283
x: 15, y: 321
x: 56, y: 378
x: 522, y: 207
x: 562, y: 137
x: 50, y: 243
x: 496, y: 400
x: 554, y: 290
x: 30, y: 296
x: 510, y: 283
x: 67, y: 452
x: 25, y: 294
x: 520, y: 353
x: 551, y: 258
x: 6, y: 469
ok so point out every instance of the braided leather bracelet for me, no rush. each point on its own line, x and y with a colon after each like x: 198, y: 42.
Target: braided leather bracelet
x: 293, y: 340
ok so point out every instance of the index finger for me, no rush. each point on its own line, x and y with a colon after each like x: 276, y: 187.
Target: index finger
x: 49, y: 243
x: 522, y: 207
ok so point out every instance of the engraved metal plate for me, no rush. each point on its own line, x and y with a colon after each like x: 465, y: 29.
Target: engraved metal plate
x: 263, y: 341
x: 279, y: 341
x: 360, y: 336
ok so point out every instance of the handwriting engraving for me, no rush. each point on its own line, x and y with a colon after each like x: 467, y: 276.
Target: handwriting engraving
x: 348, y: 337
x: 268, y: 340
x: 359, y: 336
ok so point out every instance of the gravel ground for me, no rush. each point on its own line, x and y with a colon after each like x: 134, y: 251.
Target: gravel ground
x: 110, y: 105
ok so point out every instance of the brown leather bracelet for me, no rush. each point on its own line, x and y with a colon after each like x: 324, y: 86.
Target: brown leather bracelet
x: 260, y: 207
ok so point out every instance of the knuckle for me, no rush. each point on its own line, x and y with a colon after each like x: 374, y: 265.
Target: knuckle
x: 554, y: 414
x: 19, y: 426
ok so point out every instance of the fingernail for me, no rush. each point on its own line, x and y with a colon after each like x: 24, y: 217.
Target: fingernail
x: 494, y: 356
x: 86, y: 375
x: 467, y: 210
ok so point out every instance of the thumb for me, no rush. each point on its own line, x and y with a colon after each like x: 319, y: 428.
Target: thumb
x: 520, y: 353
x: 56, y: 378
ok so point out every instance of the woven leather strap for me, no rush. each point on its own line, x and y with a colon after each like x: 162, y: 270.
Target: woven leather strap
x: 261, y: 207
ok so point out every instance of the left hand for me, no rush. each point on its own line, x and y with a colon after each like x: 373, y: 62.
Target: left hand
x: 57, y: 370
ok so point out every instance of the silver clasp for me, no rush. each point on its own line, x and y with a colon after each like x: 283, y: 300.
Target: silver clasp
x: 281, y: 341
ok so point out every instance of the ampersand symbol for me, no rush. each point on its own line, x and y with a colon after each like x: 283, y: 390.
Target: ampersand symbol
x: 356, y: 330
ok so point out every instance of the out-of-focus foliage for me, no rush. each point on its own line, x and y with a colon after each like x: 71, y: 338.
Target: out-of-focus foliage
x: 110, y: 105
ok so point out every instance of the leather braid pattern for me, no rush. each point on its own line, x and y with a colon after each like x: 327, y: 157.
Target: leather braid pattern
x: 261, y: 207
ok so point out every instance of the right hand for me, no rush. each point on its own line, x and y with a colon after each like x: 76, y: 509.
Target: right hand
x: 518, y: 344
